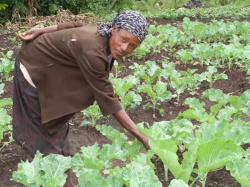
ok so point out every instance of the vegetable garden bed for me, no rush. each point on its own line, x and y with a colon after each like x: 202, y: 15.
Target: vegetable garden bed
x: 218, y: 80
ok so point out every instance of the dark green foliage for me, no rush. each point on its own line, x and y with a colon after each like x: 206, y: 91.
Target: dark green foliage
x: 14, y: 10
x: 11, y: 9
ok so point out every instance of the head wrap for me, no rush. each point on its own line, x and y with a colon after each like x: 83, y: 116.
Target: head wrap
x: 130, y: 20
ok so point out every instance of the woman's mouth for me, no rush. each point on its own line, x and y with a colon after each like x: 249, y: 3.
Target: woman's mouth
x: 119, y: 53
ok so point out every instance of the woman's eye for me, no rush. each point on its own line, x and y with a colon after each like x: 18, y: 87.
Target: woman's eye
x: 132, y: 46
x: 123, y: 39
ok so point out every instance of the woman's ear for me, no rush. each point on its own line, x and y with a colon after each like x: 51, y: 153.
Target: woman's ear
x: 113, y: 29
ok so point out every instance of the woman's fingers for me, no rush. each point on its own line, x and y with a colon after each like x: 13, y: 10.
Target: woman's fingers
x: 24, y: 36
x: 30, y: 34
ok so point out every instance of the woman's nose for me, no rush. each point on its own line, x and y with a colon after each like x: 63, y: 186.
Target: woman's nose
x: 124, y: 47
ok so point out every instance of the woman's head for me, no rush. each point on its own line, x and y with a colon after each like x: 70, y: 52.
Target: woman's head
x: 133, y: 22
x: 127, y: 30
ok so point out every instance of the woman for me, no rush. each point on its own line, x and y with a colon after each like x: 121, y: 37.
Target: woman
x: 63, y: 69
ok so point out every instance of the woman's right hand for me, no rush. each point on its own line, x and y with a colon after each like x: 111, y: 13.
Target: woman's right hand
x: 145, y: 141
x: 30, y: 34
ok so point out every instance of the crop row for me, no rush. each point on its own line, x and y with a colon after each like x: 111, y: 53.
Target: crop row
x: 216, y: 143
x: 217, y: 43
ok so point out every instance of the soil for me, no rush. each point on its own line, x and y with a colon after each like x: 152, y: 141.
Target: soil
x: 79, y: 136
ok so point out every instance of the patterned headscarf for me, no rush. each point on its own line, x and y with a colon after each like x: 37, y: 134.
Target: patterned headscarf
x: 130, y: 20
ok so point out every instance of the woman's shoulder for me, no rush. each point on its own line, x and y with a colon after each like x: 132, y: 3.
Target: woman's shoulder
x: 88, y: 33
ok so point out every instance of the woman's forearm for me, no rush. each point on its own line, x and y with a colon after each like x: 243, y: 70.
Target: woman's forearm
x: 123, y: 118
x: 52, y: 28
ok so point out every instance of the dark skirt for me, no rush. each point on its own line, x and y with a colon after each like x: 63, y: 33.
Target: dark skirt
x: 28, y: 129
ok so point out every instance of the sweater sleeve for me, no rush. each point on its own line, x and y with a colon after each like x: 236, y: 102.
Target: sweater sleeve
x: 93, y: 66
x: 68, y: 25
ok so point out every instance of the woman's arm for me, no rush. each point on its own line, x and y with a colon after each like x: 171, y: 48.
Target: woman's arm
x: 123, y: 118
x: 34, y: 32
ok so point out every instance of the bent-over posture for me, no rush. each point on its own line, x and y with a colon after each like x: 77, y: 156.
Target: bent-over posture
x: 63, y: 69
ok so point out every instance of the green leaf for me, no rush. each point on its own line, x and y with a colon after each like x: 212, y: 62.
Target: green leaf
x: 239, y: 132
x: 227, y: 112
x: 90, y: 156
x: 144, y: 159
x: 182, y: 131
x: 1, y: 87
x: 90, y: 178
x: 85, y: 123
x: 215, y: 95
x: 166, y: 150
x: 29, y: 174
x: 9, y: 54
x: 156, y: 131
x: 216, y: 154
x: 46, y: 171
x: 162, y: 94
x: 4, y: 117
x: 196, y: 111
x: 215, y: 109
x: 240, y: 169
x: 220, y: 76
x: 5, y: 102
x: 93, y: 114
x: 131, y: 100
x: 111, y: 133
x: 135, y: 147
x: 55, y: 167
x: 137, y: 175
x: 235, y: 101
x: 115, y: 180
x: 177, y: 183
x: 123, y: 88
x: 209, y: 131
x: 146, y: 88
x: 77, y: 163
x: 113, y: 151
x: 245, y: 97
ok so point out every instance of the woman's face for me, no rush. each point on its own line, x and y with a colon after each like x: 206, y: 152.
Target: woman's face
x: 122, y: 42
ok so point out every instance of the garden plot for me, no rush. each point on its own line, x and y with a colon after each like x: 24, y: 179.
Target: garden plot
x: 187, y: 87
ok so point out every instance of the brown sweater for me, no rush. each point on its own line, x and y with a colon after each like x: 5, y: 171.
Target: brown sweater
x: 70, y: 69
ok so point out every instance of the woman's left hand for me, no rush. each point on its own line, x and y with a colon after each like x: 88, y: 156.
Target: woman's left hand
x: 30, y: 34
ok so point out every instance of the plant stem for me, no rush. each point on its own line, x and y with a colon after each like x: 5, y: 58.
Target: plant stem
x: 4, y: 145
x: 194, y: 181
x: 166, y: 172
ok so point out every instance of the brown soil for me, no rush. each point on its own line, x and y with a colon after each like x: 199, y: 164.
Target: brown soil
x: 85, y: 136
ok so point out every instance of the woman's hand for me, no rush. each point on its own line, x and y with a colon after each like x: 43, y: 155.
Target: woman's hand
x: 30, y: 34
x: 145, y: 141
x: 123, y: 118
x: 34, y: 32
x: 126, y: 122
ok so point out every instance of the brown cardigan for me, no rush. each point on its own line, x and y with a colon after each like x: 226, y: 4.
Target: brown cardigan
x: 70, y: 69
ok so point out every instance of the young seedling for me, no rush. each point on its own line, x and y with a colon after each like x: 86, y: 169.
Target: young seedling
x: 123, y: 87
x: 157, y: 93
x: 118, y: 69
x: 185, y: 55
x: 211, y: 76
x: 92, y: 114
